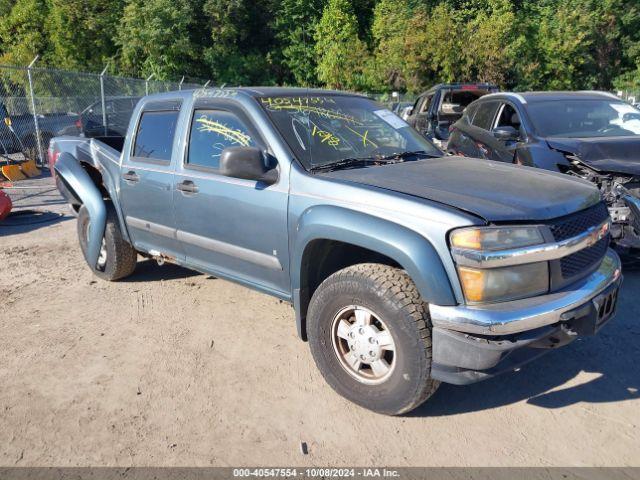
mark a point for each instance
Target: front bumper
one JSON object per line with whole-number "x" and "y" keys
{"x": 471, "y": 343}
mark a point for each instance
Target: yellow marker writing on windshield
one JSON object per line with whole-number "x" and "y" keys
{"x": 364, "y": 136}
{"x": 325, "y": 136}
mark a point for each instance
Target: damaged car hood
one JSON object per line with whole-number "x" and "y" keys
{"x": 494, "y": 191}
{"x": 610, "y": 154}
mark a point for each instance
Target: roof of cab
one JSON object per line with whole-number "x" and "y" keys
{"x": 480, "y": 85}
{"x": 533, "y": 97}
{"x": 249, "y": 91}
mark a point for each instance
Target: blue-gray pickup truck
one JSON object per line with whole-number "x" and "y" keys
{"x": 405, "y": 268}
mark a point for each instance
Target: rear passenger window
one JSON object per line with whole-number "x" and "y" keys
{"x": 211, "y": 132}
{"x": 154, "y": 139}
{"x": 470, "y": 111}
{"x": 426, "y": 104}
{"x": 485, "y": 113}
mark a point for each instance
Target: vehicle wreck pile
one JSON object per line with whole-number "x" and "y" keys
{"x": 622, "y": 194}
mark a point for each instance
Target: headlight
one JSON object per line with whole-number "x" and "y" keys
{"x": 484, "y": 285}
{"x": 496, "y": 238}
{"x": 503, "y": 284}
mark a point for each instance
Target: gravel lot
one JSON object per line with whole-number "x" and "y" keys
{"x": 171, "y": 367}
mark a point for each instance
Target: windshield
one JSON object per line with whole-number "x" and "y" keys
{"x": 322, "y": 130}
{"x": 585, "y": 118}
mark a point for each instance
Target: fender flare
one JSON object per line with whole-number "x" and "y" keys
{"x": 413, "y": 252}
{"x": 77, "y": 179}
{"x": 109, "y": 174}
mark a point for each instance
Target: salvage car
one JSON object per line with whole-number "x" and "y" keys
{"x": 22, "y": 137}
{"x": 112, "y": 122}
{"x": 436, "y": 109}
{"x": 405, "y": 268}
{"x": 590, "y": 135}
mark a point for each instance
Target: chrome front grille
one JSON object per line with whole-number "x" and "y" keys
{"x": 584, "y": 261}
{"x": 575, "y": 224}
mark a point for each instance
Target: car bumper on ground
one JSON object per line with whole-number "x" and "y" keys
{"x": 472, "y": 343}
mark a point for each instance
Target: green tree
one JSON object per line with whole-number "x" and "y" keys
{"x": 243, "y": 48}
{"x": 342, "y": 56}
{"x": 616, "y": 40}
{"x": 295, "y": 24}
{"x": 22, "y": 32}
{"x": 434, "y": 47}
{"x": 82, "y": 32}
{"x": 155, "y": 36}
{"x": 490, "y": 43}
{"x": 560, "y": 46}
{"x": 389, "y": 32}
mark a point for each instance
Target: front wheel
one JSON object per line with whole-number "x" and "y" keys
{"x": 117, "y": 257}
{"x": 370, "y": 336}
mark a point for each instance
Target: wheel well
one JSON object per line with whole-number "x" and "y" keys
{"x": 96, "y": 178}
{"x": 322, "y": 258}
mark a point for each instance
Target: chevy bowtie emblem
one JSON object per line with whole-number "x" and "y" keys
{"x": 599, "y": 234}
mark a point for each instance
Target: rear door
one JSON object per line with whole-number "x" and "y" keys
{"x": 230, "y": 226}
{"x": 146, "y": 178}
{"x": 479, "y": 129}
{"x": 460, "y": 141}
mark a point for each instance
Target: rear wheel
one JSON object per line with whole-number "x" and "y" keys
{"x": 370, "y": 336}
{"x": 117, "y": 257}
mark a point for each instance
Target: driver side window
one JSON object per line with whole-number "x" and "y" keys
{"x": 211, "y": 132}
{"x": 509, "y": 117}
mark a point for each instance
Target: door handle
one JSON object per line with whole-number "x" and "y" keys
{"x": 187, "y": 186}
{"x": 131, "y": 176}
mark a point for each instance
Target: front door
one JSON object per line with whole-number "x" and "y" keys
{"x": 505, "y": 151}
{"x": 146, "y": 180}
{"x": 232, "y": 227}
{"x": 423, "y": 116}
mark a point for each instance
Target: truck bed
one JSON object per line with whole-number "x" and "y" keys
{"x": 101, "y": 153}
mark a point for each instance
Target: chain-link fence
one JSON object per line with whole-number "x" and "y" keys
{"x": 631, "y": 96}
{"x": 37, "y": 104}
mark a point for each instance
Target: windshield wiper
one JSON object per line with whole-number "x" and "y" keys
{"x": 364, "y": 161}
{"x": 344, "y": 163}
{"x": 405, "y": 155}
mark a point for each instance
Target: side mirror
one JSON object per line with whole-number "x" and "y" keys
{"x": 246, "y": 163}
{"x": 442, "y": 130}
{"x": 505, "y": 134}
{"x": 627, "y": 117}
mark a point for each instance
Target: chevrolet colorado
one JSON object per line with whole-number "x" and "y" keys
{"x": 405, "y": 268}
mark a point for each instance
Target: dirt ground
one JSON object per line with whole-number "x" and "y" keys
{"x": 174, "y": 368}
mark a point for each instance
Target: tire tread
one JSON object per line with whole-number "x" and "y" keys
{"x": 396, "y": 283}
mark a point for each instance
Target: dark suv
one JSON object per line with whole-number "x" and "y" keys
{"x": 436, "y": 109}
{"x": 591, "y": 135}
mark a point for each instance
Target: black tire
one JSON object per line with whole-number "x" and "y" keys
{"x": 391, "y": 294}
{"x": 121, "y": 257}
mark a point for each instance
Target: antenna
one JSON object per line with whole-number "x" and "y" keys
{"x": 307, "y": 81}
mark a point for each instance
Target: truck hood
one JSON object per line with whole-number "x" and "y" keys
{"x": 610, "y": 154}
{"x": 493, "y": 191}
